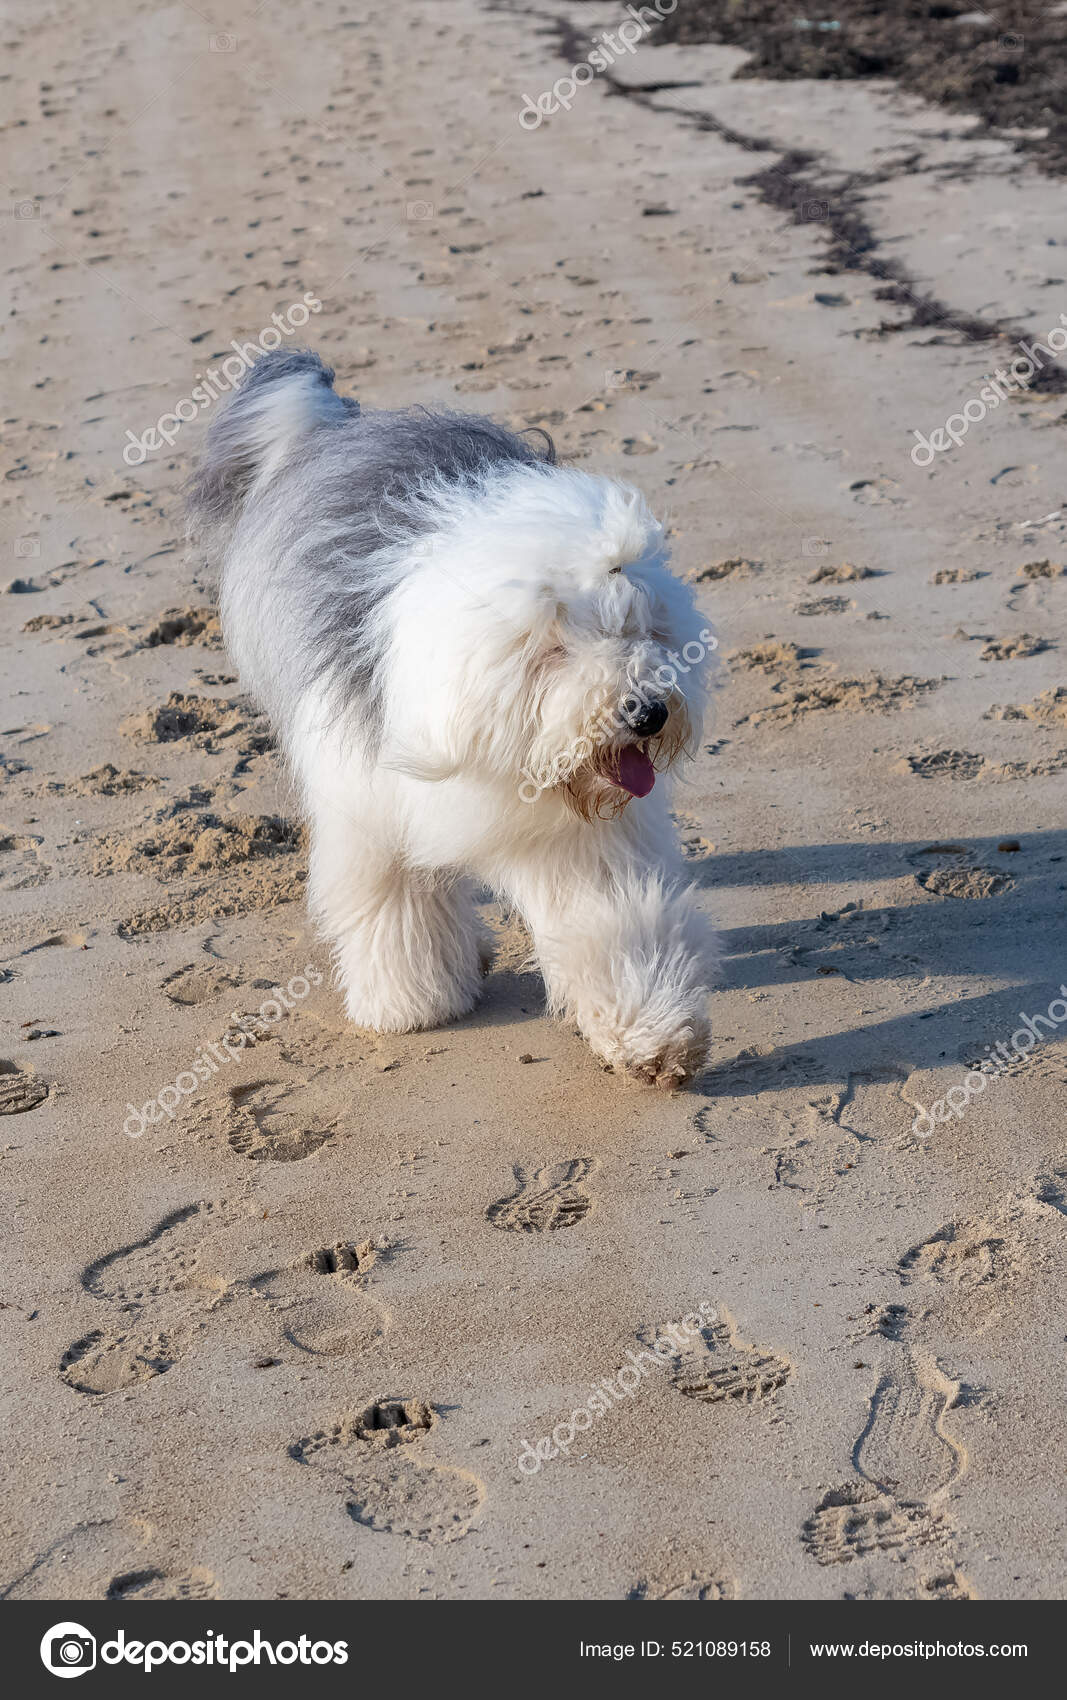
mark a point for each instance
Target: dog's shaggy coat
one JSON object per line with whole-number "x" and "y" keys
{"x": 474, "y": 659}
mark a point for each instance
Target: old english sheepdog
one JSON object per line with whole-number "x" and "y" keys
{"x": 476, "y": 663}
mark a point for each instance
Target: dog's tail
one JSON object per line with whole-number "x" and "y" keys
{"x": 286, "y": 396}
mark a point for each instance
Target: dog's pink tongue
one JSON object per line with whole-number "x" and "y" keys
{"x": 634, "y": 771}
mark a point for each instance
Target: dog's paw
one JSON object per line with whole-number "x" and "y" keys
{"x": 673, "y": 1065}
{"x": 653, "y": 1056}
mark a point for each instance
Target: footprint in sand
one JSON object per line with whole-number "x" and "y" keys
{"x": 271, "y": 1121}
{"x": 388, "y": 1484}
{"x": 723, "y": 1367}
{"x": 873, "y": 1106}
{"x": 99, "y": 1561}
{"x": 689, "y": 1587}
{"x": 195, "y": 1584}
{"x": 547, "y": 1198}
{"x": 904, "y": 1449}
{"x": 208, "y": 722}
{"x": 22, "y": 867}
{"x": 1051, "y": 1189}
{"x": 160, "y": 1281}
{"x": 323, "y": 1301}
{"x": 194, "y": 984}
{"x": 102, "y": 1362}
{"x": 20, "y": 1089}
{"x": 943, "y": 764}
{"x": 908, "y": 1461}
{"x": 945, "y": 1585}
{"x": 969, "y": 1253}
{"x": 183, "y": 626}
{"x": 858, "y": 1520}
{"x": 872, "y": 1110}
{"x": 168, "y": 1260}
{"x": 948, "y": 870}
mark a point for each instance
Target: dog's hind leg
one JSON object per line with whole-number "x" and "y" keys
{"x": 407, "y": 946}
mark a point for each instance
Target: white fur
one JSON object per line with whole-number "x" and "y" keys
{"x": 532, "y": 602}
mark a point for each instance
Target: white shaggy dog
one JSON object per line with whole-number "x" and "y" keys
{"x": 475, "y": 661}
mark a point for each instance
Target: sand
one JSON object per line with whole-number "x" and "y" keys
{"x": 291, "y": 1340}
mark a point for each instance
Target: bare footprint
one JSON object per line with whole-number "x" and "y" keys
{"x": 196, "y": 985}
{"x": 547, "y": 1198}
{"x": 168, "y": 1260}
{"x": 267, "y": 1123}
{"x": 322, "y": 1300}
{"x": 872, "y": 1105}
{"x": 723, "y": 1367}
{"x": 389, "y": 1486}
{"x": 82, "y": 1563}
{"x": 688, "y": 1587}
{"x": 106, "y": 1363}
{"x": 162, "y": 1278}
{"x": 969, "y": 1253}
{"x": 152, "y": 1584}
{"x": 871, "y": 1110}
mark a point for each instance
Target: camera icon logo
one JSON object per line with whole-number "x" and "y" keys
{"x": 224, "y": 44}
{"x": 814, "y": 212}
{"x": 417, "y": 210}
{"x": 68, "y": 1649}
{"x": 813, "y": 547}
{"x": 27, "y": 548}
{"x": 27, "y": 209}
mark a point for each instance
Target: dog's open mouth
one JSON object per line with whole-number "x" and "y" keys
{"x": 631, "y": 770}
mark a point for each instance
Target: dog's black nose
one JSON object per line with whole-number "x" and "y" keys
{"x": 648, "y": 719}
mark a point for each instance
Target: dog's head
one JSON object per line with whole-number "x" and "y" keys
{"x": 554, "y": 649}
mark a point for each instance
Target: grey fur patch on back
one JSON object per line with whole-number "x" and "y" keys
{"x": 318, "y": 551}
{"x": 365, "y": 485}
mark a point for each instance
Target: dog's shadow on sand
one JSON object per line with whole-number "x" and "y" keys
{"x": 1016, "y": 933}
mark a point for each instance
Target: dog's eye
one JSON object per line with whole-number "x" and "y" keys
{"x": 613, "y": 570}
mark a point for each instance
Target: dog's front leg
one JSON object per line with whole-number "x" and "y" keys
{"x": 626, "y": 954}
